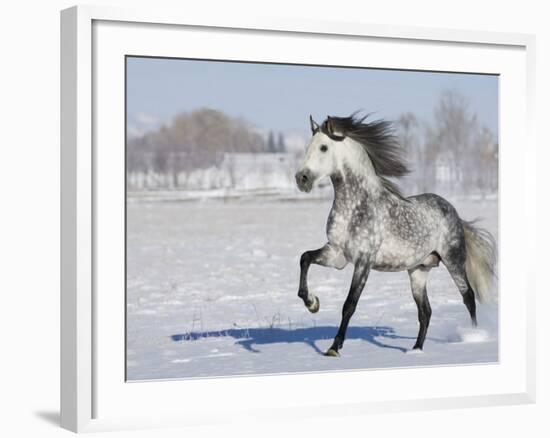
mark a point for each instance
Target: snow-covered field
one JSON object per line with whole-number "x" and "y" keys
{"x": 212, "y": 290}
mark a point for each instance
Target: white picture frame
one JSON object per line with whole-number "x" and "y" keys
{"x": 93, "y": 397}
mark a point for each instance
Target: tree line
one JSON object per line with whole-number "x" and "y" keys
{"x": 196, "y": 140}
{"x": 451, "y": 153}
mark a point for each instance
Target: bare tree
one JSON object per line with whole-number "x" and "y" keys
{"x": 194, "y": 140}
{"x": 456, "y": 130}
{"x": 408, "y": 131}
{"x": 452, "y": 153}
{"x": 281, "y": 146}
{"x": 487, "y": 177}
{"x": 271, "y": 147}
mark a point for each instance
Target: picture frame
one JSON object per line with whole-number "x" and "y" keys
{"x": 94, "y": 395}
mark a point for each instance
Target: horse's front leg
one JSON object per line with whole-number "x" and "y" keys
{"x": 328, "y": 255}
{"x": 360, "y": 275}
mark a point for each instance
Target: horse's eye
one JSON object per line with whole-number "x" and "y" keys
{"x": 324, "y": 148}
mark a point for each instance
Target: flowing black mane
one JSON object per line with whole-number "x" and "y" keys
{"x": 378, "y": 140}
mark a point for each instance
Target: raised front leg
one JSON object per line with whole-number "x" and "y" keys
{"x": 325, "y": 256}
{"x": 360, "y": 275}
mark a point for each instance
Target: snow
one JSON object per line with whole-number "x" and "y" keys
{"x": 472, "y": 334}
{"x": 212, "y": 291}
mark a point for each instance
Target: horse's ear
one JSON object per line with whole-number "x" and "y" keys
{"x": 314, "y": 125}
{"x": 330, "y": 126}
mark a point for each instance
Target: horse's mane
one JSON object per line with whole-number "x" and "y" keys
{"x": 379, "y": 142}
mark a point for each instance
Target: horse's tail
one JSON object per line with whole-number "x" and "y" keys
{"x": 480, "y": 260}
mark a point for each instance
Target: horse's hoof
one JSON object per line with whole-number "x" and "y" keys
{"x": 332, "y": 353}
{"x": 314, "y": 307}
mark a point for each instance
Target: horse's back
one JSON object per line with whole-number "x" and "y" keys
{"x": 436, "y": 204}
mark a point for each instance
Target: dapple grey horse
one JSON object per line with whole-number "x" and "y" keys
{"x": 373, "y": 226}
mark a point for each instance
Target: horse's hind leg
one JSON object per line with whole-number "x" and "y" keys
{"x": 456, "y": 267}
{"x": 325, "y": 256}
{"x": 419, "y": 278}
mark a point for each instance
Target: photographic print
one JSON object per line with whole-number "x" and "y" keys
{"x": 287, "y": 218}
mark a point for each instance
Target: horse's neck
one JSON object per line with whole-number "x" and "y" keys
{"x": 352, "y": 190}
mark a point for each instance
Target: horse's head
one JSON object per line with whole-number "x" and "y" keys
{"x": 349, "y": 144}
{"x": 321, "y": 158}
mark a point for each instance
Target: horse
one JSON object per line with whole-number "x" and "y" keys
{"x": 373, "y": 226}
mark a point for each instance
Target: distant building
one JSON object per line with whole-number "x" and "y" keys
{"x": 259, "y": 170}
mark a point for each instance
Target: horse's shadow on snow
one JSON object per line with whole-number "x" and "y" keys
{"x": 250, "y": 337}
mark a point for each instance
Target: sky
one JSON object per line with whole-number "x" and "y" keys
{"x": 281, "y": 97}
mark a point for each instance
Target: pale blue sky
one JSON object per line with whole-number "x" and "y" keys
{"x": 281, "y": 97}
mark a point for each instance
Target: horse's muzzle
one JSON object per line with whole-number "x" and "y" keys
{"x": 304, "y": 180}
